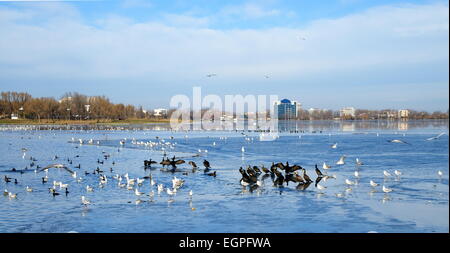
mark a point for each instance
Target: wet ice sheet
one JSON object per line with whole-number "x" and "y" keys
{"x": 419, "y": 202}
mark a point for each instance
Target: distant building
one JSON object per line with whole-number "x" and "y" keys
{"x": 402, "y": 114}
{"x": 287, "y": 109}
{"x": 347, "y": 112}
{"x": 64, "y": 99}
{"x": 314, "y": 110}
{"x": 160, "y": 112}
{"x": 14, "y": 116}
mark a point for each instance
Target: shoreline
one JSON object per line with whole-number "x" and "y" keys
{"x": 80, "y": 122}
{"x": 167, "y": 121}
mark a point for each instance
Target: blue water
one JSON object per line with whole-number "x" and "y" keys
{"x": 419, "y": 201}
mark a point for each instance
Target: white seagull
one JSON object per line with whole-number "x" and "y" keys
{"x": 386, "y": 174}
{"x": 386, "y": 190}
{"x": 398, "y": 141}
{"x": 341, "y": 160}
{"x": 320, "y": 187}
{"x": 435, "y": 137}
{"x": 160, "y": 188}
{"x": 170, "y": 192}
{"x": 84, "y": 201}
{"x": 397, "y": 172}
{"x": 373, "y": 184}
{"x": 326, "y": 166}
{"x": 349, "y": 182}
{"x": 334, "y": 145}
{"x": 138, "y": 193}
{"x": 358, "y": 162}
{"x": 56, "y": 165}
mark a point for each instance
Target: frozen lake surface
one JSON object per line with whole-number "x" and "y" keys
{"x": 419, "y": 201}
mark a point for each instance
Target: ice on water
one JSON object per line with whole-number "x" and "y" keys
{"x": 418, "y": 202}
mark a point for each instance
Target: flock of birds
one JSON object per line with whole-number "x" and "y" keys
{"x": 253, "y": 177}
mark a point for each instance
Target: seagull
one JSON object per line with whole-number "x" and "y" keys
{"x": 139, "y": 181}
{"x": 242, "y": 149}
{"x": 29, "y": 189}
{"x": 56, "y": 165}
{"x": 211, "y": 75}
{"x": 61, "y": 185}
{"x": 341, "y": 160}
{"x": 138, "y": 193}
{"x": 373, "y": 184}
{"x": 177, "y": 183}
{"x": 386, "y": 190}
{"x": 386, "y": 174}
{"x": 440, "y": 173}
{"x": 436, "y": 137}
{"x": 349, "y": 182}
{"x": 12, "y": 196}
{"x": 84, "y": 201}
{"x": 190, "y": 194}
{"x": 325, "y": 166}
{"x": 358, "y": 162}
{"x": 334, "y": 145}
{"x": 170, "y": 192}
{"x": 356, "y": 173}
{"x": 320, "y": 187}
{"x": 160, "y": 188}
{"x": 89, "y": 188}
{"x": 397, "y": 172}
{"x": 398, "y": 141}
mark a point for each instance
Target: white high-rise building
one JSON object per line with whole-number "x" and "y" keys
{"x": 348, "y": 112}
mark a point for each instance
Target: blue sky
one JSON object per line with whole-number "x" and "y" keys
{"x": 366, "y": 54}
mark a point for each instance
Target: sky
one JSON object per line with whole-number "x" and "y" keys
{"x": 325, "y": 54}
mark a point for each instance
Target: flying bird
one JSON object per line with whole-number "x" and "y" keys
{"x": 56, "y": 165}
{"x": 435, "y": 137}
{"x": 211, "y": 75}
{"x": 398, "y": 141}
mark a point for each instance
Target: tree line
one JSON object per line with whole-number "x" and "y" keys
{"x": 76, "y": 106}
{"x": 72, "y": 105}
{"x": 363, "y": 114}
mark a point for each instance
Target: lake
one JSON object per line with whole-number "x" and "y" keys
{"x": 419, "y": 201}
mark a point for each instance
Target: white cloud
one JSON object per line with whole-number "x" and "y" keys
{"x": 136, "y": 4}
{"x": 185, "y": 20}
{"x": 180, "y": 49}
{"x": 247, "y": 11}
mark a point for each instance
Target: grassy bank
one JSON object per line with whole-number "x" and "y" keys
{"x": 79, "y": 122}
